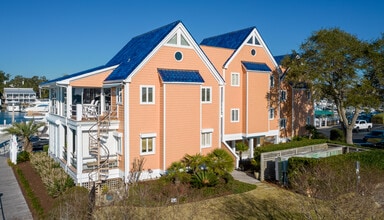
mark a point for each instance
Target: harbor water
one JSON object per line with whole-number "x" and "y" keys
{"x": 6, "y": 117}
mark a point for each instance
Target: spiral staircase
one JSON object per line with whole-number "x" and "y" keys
{"x": 98, "y": 135}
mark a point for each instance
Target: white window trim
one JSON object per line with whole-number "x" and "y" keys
{"x": 119, "y": 142}
{"x": 238, "y": 114}
{"x": 269, "y": 113}
{"x": 238, "y": 79}
{"x": 119, "y": 95}
{"x": 283, "y": 98}
{"x": 210, "y": 94}
{"x": 178, "y": 34}
{"x": 285, "y": 123}
{"x": 141, "y": 94}
{"x": 271, "y": 81}
{"x": 208, "y": 132}
{"x": 147, "y": 136}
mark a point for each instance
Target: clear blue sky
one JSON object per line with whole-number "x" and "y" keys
{"x": 52, "y": 38}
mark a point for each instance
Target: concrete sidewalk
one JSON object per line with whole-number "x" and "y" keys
{"x": 244, "y": 177}
{"x": 14, "y": 204}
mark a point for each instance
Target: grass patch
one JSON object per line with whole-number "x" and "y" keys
{"x": 29, "y": 192}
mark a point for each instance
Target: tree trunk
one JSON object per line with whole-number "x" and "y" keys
{"x": 349, "y": 135}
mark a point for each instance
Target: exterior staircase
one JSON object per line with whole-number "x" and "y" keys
{"x": 98, "y": 135}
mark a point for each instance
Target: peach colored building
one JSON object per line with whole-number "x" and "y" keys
{"x": 163, "y": 96}
{"x": 158, "y": 98}
{"x": 251, "y": 109}
{"x": 296, "y": 106}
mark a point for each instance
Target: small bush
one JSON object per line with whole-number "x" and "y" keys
{"x": 22, "y": 157}
{"x": 203, "y": 179}
{"x": 45, "y": 148}
{"x": 378, "y": 119}
{"x": 336, "y": 135}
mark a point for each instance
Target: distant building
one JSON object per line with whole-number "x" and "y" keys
{"x": 19, "y": 96}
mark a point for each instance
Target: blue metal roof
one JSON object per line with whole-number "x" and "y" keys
{"x": 232, "y": 40}
{"x": 73, "y": 75}
{"x": 280, "y": 58}
{"x": 256, "y": 66}
{"x": 180, "y": 76}
{"x": 136, "y": 50}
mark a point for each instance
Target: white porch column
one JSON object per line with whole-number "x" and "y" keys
{"x": 79, "y": 150}
{"x": 233, "y": 145}
{"x": 69, "y": 102}
{"x": 251, "y": 146}
{"x": 69, "y": 146}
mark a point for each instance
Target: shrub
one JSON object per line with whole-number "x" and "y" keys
{"x": 22, "y": 157}
{"x": 204, "y": 178}
{"x": 53, "y": 176}
{"x": 73, "y": 204}
{"x": 378, "y": 119}
{"x": 336, "y": 135}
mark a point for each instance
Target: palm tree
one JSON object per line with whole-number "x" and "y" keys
{"x": 25, "y": 130}
{"x": 241, "y": 147}
{"x": 221, "y": 162}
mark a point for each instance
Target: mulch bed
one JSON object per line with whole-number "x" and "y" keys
{"x": 36, "y": 185}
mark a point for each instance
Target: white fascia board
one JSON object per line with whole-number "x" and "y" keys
{"x": 67, "y": 81}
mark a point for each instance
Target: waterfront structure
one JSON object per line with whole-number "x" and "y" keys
{"x": 163, "y": 96}
{"x": 158, "y": 98}
{"x": 19, "y": 95}
{"x": 251, "y": 90}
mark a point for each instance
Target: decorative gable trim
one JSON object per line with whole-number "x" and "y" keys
{"x": 179, "y": 30}
{"x": 254, "y": 33}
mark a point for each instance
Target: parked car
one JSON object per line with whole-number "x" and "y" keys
{"x": 377, "y": 134}
{"x": 362, "y": 125}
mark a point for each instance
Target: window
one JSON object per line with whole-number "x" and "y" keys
{"x": 283, "y": 95}
{"x": 308, "y": 120}
{"x": 253, "y": 41}
{"x": 178, "y": 39}
{"x": 308, "y": 94}
{"x": 119, "y": 144}
{"x": 119, "y": 98}
{"x": 283, "y": 123}
{"x": 235, "y": 115}
{"x": 235, "y": 79}
{"x": 147, "y": 94}
{"x": 206, "y": 138}
{"x": 147, "y": 145}
{"x": 271, "y": 113}
{"x": 178, "y": 56}
{"x": 271, "y": 81}
{"x": 206, "y": 95}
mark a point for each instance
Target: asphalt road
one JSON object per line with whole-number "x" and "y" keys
{"x": 357, "y": 136}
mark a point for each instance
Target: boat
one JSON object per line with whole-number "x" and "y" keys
{"x": 38, "y": 107}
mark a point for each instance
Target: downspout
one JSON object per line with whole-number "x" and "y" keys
{"x": 126, "y": 132}
{"x": 164, "y": 126}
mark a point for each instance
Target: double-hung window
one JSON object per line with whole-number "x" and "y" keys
{"x": 206, "y": 95}
{"x": 283, "y": 123}
{"x": 235, "y": 115}
{"x": 206, "y": 137}
{"x": 271, "y": 113}
{"x": 147, "y": 94}
{"x": 235, "y": 79}
{"x": 148, "y": 143}
{"x": 119, "y": 95}
{"x": 119, "y": 143}
{"x": 271, "y": 81}
{"x": 283, "y": 95}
